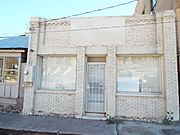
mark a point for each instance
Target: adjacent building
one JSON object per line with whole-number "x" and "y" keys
{"x": 13, "y": 55}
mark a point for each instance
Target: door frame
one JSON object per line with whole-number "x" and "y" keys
{"x": 86, "y": 81}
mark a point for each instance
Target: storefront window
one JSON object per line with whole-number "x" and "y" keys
{"x": 59, "y": 73}
{"x": 9, "y": 69}
{"x": 138, "y": 74}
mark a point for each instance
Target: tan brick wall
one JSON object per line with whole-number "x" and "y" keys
{"x": 168, "y": 5}
{"x": 28, "y": 101}
{"x": 55, "y": 103}
{"x": 145, "y": 29}
{"x": 80, "y": 82}
{"x": 170, "y": 64}
{"x": 177, "y": 3}
{"x": 111, "y": 81}
{"x": 137, "y": 35}
{"x": 140, "y": 106}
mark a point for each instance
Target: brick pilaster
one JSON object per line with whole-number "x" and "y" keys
{"x": 170, "y": 64}
{"x": 80, "y": 82}
{"x": 111, "y": 81}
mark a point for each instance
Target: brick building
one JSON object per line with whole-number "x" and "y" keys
{"x": 99, "y": 66}
{"x": 13, "y": 55}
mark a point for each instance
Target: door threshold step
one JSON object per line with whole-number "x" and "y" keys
{"x": 94, "y": 116}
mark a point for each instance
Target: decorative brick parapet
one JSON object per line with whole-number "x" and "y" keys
{"x": 140, "y": 30}
{"x": 140, "y": 19}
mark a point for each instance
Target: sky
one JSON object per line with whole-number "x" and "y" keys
{"x": 15, "y": 14}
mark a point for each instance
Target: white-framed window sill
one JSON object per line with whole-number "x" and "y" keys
{"x": 55, "y": 91}
{"x": 139, "y": 94}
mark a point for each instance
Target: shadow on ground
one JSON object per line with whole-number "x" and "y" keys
{"x": 21, "y": 132}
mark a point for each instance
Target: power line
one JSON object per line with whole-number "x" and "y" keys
{"x": 92, "y": 11}
{"x": 74, "y": 15}
{"x": 95, "y": 28}
{"x": 101, "y": 28}
{"x": 100, "y": 9}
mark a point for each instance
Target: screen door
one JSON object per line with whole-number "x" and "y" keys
{"x": 95, "y": 87}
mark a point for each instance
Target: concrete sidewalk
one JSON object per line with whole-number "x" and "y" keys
{"x": 55, "y": 124}
{"x": 142, "y": 128}
{"x": 59, "y": 125}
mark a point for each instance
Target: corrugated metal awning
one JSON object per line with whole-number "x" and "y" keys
{"x": 14, "y": 42}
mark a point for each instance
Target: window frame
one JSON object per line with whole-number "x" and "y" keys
{"x": 6, "y": 69}
{"x": 40, "y": 72}
{"x": 160, "y": 69}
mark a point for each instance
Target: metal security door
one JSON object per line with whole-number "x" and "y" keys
{"x": 95, "y": 88}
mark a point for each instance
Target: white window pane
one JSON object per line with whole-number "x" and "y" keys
{"x": 144, "y": 68}
{"x": 128, "y": 84}
{"x": 59, "y": 73}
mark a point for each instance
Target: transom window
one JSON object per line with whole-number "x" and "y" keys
{"x": 9, "y": 69}
{"x": 138, "y": 73}
{"x": 59, "y": 73}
